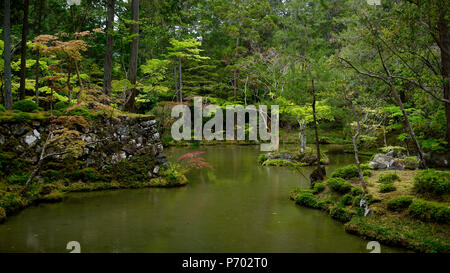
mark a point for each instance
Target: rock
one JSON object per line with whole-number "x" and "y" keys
{"x": 19, "y": 129}
{"x": 317, "y": 175}
{"x": 386, "y": 162}
{"x": 30, "y": 139}
{"x": 283, "y": 156}
{"x": 156, "y": 169}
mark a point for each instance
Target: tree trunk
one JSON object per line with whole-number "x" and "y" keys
{"x": 445, "y": 64}
{"x": 408, "y": 124}
{"x": 107, "y": 76}
{"x": 7, "y": 54}
{"x": 355, "y": 148}
{"x": 235, "y": 72}
{"x": 180, "y": 98}
{"x": 23, "y": 58}
{"x": 175, "y": 76}
{"x": 80, "y": 81}
{"x": 38, "y": 32}
{"x": 315, "y": 124}
{"x": 69, "y": 86}
{"x": 132, "y": 70}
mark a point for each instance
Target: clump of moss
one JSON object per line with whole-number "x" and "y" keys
{"x": 399, "y": 203}
{"x": 429, "y": 211}
{"x": 388, "y": 178}
{"x": 262, "y": 158}
{"x": 384, "y": 188}
{"x": 306, "y": 199}
{"x": 346, "y": 200}
{"x": 318, "y": 187}
{"x": 347, "y": 172}
{"x": 356, "y": 191}
{"x": 55, "y": 196}
{"x": 341, "y": 214}
{"x": 277, "y": 163}
{"x": 339, "y": 185}
{"x": 433, "y": 182}
{"x": 411, "y": 162}
{"x": 25, "y": 105}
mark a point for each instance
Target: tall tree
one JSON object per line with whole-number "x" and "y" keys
{"x": 7, "y": 54}
{"x": 38, "y": 32}
{"x": 129, "y": 104}
{"x": 23, "y": 49}
{"x": 107, "y": 76}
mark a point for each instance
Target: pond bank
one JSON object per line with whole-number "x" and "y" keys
{"x": 401, "y": 216}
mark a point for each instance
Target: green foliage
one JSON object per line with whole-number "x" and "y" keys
{"x": 384, "y": 188}
{"x": 25, "y": 106}
{"x": 399, "y": 203}
{"x": 339, "y": 185}
{"x": 356, "y": 191}
{"x": 306, "y": 199}
{"x": 341, "y": 214}
{"x": 395, "y": 149}
{"x": 318, "y": 187}
{"x": 388, "y": 178}
{"x": 2, "y": 108}
{"x": 347, "y": 172}
{"x": 367, "y": 173}
{"x": 86, "y": 175}
{"x": 432, "y": 181}
{"x": 262, "y": 158}
{"x": 429, "y": 211}
{"x": 411, "y": 162}
{"x": 277, "y": 162}
{"x": 61, "y": 105}
{"x": 2, "y": 215}
{"x": 346, "y": 199}
{"x": 18, "y": 179}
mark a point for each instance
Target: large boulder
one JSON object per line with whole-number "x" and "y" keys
{"x": 386, "y": 162}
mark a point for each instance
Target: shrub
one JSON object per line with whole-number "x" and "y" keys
{"x": 346, "y": 172}
{"x": 395, "y": 149}
{"x": 367, "y": 173}
{"x": 17, "y": 179}
{"x": 384, "y": 188}
{"x": 60, "y": 105}
{"x": 318, "y": 188}
{"x": 399, "y": 203}
{"x": 388, "y": 178}
{"x": 346, "y": 199}
{"x": 306, "y": 199}
{"x": 262, "y": 158}
{"x": 341, "y": 214}
{"x": 86, "y": 175}
{"x": 431, "y": 181}
{"x": 339, "y": 185}
{"x": 429, "y": 211}
{"x": 411, "y": 162}
{"x": 2, "y": 108}
{"x": 365, "y": 166}
{"x": 25, "y": 105}
{"x": 357, "y": 200}
{"x": 356, "y": 191}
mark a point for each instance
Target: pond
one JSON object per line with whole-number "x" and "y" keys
{"x": 237, "y": 206}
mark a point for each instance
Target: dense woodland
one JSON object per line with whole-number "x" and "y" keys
{"x": 384, "y": 65}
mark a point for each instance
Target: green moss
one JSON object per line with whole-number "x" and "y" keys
{"x": 306, "y": 199}
{"x": 432, "y": 181}
{"x": 401, "y": 231}
{"x": 429, "y": 211}
{"x": 399, "y": 203}
{"x": 339, "y": 185}
{"x": 356, "y": 191}
{"x": 346, "y": 172}
{"x": 318, "y": 187}
{"x": 346, "y": 200}
{"x": 411, "y": 162}
{"x": 277, "y": 163}
{"x": 55, "y": 196}
{"x": 388, "y": 178}
{"x": 25, "y": 105}
{"x": 384, "y": 188}
{"x": 262, "y": 158}
{"x": 341, "y": 214}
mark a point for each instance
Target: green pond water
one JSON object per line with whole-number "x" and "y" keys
{"x": 237, "y": 206}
